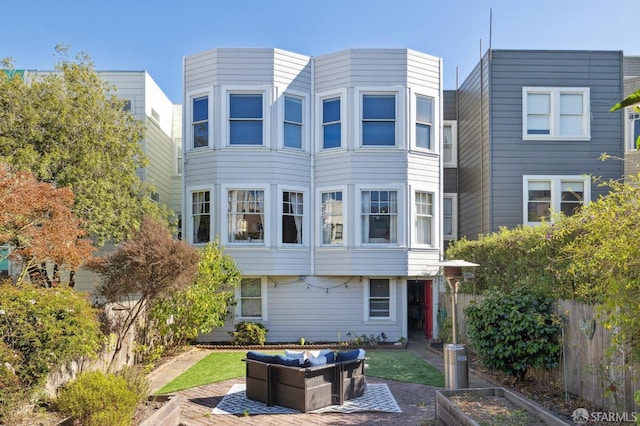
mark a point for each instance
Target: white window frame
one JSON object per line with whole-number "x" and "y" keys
{"x": 263, "y": 305}
{"x": 433, "y": 143}
{"x": 453, "y": 124}
{"x": 399, "y": 102}
{"x": 320, "y": 98}
{"x": 400, "y": 221}
{"x": 631, "y": 116}
{"x": 179, "y": 156}
{"x": 189, "y": 115}
{"x": 454, "y": 216}
{"x": 434, "y": 216}
{"x": 267, "y": 97}
{"x": 345, "y": 227}
{"x": 188, "y": 224}
{"x": 554, "y": 113}
{"x": 224, "y": 232}
{"x": 306, "y": 217}
{"x": 392, "y": 300}
{"x": 305, "y": 131}
{"x": 556, "y": 193}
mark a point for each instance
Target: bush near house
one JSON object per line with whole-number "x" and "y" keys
{"x": 249, "y": 333}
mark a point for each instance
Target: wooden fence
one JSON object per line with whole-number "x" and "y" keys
{"x": 589, "y": 368}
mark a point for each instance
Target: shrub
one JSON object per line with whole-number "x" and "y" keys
{"x": 249, "y": 333}
{"x": 514, "y": 332}
{"x": 96, "y": 399}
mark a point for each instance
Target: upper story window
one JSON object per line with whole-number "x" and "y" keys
{"x": 331, "y": 123}
{"x": 378, "y": 120}
{"x": 424, "y": 122}
{"x": 292, "y": 217}
{"x": 332, "y": 218}
{"x": 178, "y": 145}
{"x": 379, "y": 216}
{"x": 245, "y": 213}
{"x": 633, "y": 130}
{"x": 424, "y": 218}
{"x": 245, "y": 119}
{"x": 555, "y": 113}
{"x": 201, "y": 216}
{"x": 200, "y": 121}
{"x": 450, "y": 216}
{"x": 293, "y": 121}
{"x": 450, "y": 144}
{"x": 560, "y": 194}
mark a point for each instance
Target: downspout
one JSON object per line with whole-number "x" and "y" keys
{"x": 312, "y": 166}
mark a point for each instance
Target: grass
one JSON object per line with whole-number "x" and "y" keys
{"x": 399, "y": 365}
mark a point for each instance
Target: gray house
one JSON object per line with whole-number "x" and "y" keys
{"x": 531, "y": 126}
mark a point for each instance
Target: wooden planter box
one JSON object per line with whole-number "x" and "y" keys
{"x": 449, "y": 413}
{"x": 304, "y": 389}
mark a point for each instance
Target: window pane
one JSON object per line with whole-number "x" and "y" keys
{"x": 332, "y": 222}
{"x": 379, "y": 308}
{"x": 375, "y": 133}
{"x": 423, "y": 137}
{"x": 571, "y": 125}
{"x": 246, "y": 132}
{"x": 292, "y": 135}
{"x": 331, "y": 136}
{"x": 331, "y": 110}
{"x": 538, "y": 125}
{"x": 379, "y": 288}
{"x": 200, "y": 211}
{"x": 636, "y": 134}
{"x": 250, "y": 288}
{"x": 424, "y": 110}
{"x": 378, "y": 107}
{"x": 292, "y": 217}
{"x": 539, "y": 204}
{"x": 200, "y": 134}
{"x": 570, "y": 104}
{"x": 245, "y": 106}
{"x": 201, "y": 109}
{"x": 293, "y": 109}
{"x": 538, "y": 103}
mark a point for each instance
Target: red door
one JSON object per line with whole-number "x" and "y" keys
{"x": 428, "y": 310}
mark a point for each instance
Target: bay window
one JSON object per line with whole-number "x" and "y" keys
{"x": 378, "y": 120}
{"x": 379, "y": 216}
{"x": 245, "y": 213}
{"x": 332, "y": 218}
{"x": 245, "y": 119}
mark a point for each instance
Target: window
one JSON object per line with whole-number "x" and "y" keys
{"x": 126, "y": 105}
{"x": 331, "y": 125}
{"x": 4, "y": 259}
{"x": 424, "y": 122}
{"x": 293, "y": 122}
{"x": 450, "y": 216}
{"x": 380, "y": 299}
{"x": 633, "y": 130}
{"x": 379, "y": 217}
{"x": 245, "y": 211}
{"x": 450, "y": 144}
{"x": 544, "y": 195}
{"x": 245, "y": 119}
{"x": 201, "y": 216}
{"x": 292, "y": 215}
{"x": 200, "y": 121}
{"x": 179, "y": 156}
{"x": 251, "y": 298}
{"x": 424, "y": 218}
{"x": 555, "y": 113}
{"x": 378, "y": 120}
{"x": 332, "y": 219}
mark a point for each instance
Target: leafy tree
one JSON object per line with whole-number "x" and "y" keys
{"x": 200, "y": 307}
{"x": 514, "y": 332}
{"x": 69, "y": 129}
{"x": 147, "y": 268}
{"x": 37, "y": 222}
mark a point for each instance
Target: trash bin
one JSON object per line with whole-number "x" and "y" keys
{"x": 456, "y": 370}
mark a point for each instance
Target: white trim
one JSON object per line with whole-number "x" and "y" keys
{"x": 224, "y": 214}
{"x": 267, "y": 100}
{"x": 401, "y": 215}
{"x": 188, "y": 139}
{"x": 434, "y": 95}
{"x": 264, "y": 301}
{"x": 454, "y": 208}
{"x": 344, "y": 119}
{"x": 345, "y": 209}
{"x": 554, "y": 113}
{"x": 630, "y": 117}
{"x": 454, "y": 148}
{"x": 556, "y": 191}
{"x": 400, "y": 111}
{"x": 435, "y": 228}
{"x": 306, "y": 215}
{"x": 187, "y": 220}
{"x": 306, "y": 120}
{"x": 392, "y": 301}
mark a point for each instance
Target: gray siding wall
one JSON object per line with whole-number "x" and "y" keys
{"x": 511, "y": 157}
{"x": 449, "y": 105}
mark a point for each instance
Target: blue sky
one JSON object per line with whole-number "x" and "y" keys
{"x": 156, "y": 35}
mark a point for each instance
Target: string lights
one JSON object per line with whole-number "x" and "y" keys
{"x": 310, "y": 285}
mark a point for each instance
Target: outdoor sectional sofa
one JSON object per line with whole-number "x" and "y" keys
{"x": 305, "y": 384}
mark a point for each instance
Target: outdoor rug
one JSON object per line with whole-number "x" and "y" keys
{"x": 377, "y": 397}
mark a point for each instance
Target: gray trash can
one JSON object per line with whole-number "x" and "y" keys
{"x": 456, "y": 370}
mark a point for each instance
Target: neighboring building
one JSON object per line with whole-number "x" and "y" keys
{"x": 532, "y": 125}
{"x": 321, "y": 177}
{"x": 632, "y": 117}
